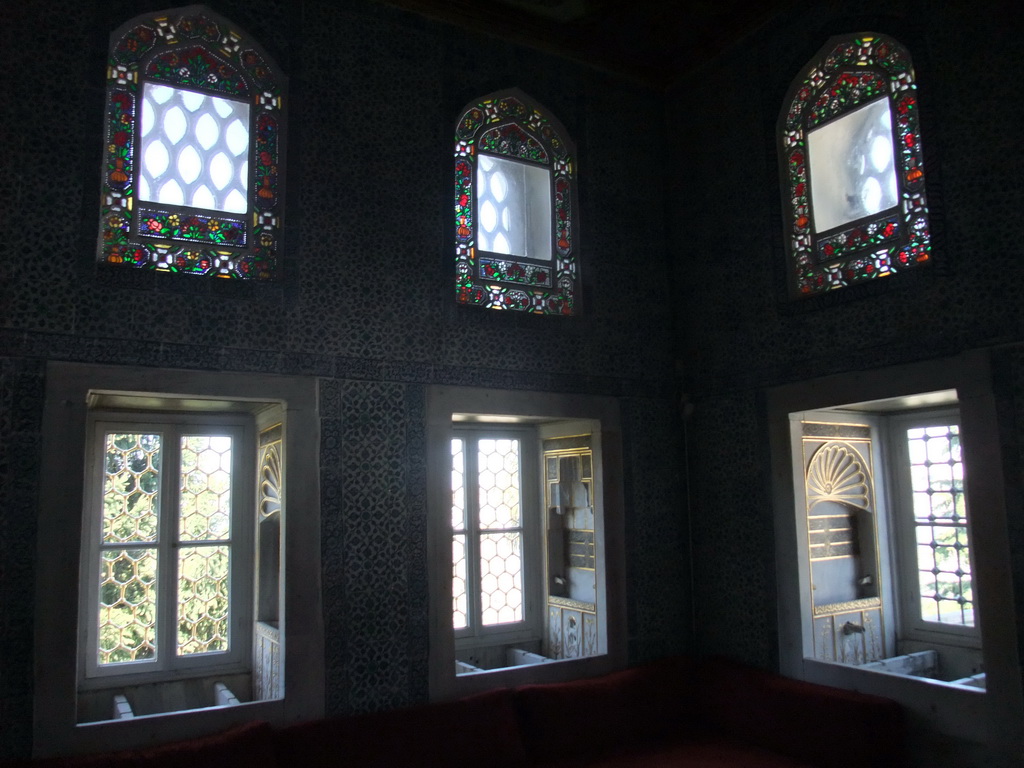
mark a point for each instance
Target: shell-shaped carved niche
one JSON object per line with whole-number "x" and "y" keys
{"x": 270, "y": 481}
{"x": 837, "y": 473}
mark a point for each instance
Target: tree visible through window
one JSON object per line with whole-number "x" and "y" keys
{"x": 193, "y": 147}
{"x": 853, "y": 173}
{"x": 515, "y": 241}
{"x": 163, "y": 547}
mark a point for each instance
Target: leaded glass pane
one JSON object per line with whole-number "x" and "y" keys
{"x": 460, "y": 598}
{"x": 943, "y": 561}
{"x": 852, "y": 170}
{"x": 501, "y": 578}
{"x": 499, "y": 491}
{"x": 193, "y": 144}
{"x": 127, "y": 606}
{"x": 131, "y": 488}
{"x": 516, "y": 246}
{"x": 194, "y": 149}
{"x": 203, "y": 599}
{"x": 852, "y": 166}
{"x": 513, "y": 208}
{"x": 205, "y": 501}
{"x": 458, "y": 485}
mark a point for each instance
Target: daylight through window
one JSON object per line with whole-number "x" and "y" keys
{"x": 516, "y": 244}
{"x": 853, "y": 175}
{"x": 192, "y": 166}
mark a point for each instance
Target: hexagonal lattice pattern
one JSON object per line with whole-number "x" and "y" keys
{"x": 127, "y": 605}
{"x": 205, "y": 512}
{"x": 131, "y": 488}
{"x": 194, "y": 149}
{"x": 460, "y": 597}
{"x": 501, "y": 578}
{"x": 940, "y": 516}
{"x": 498, "y": 465}
{"x": 203, "y": 599}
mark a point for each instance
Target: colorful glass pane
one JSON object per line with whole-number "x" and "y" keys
{"x": 890, "y": 232}
{"x": 541, "y": 283}
{"x": 193, "y": 123}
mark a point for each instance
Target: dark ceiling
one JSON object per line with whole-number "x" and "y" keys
{"x": 654, "y": 41}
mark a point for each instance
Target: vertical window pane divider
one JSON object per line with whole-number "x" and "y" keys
{"x": 167, "y": 563}
{"x": 472, "y": 483}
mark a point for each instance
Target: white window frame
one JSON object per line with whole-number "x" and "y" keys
{"x": 168, "y": 664}
{"x": 291, "y": 400}
{"x": 476, "y": 633}
{"x": 994, "y": 716}
{"x": 912, "y": 626}
{"x": 598, "y": 416}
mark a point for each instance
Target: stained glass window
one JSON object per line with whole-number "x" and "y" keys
{"x": 192, "y": 171}
{"x": 516, "y": 246}
{"x": 852, "y": 170}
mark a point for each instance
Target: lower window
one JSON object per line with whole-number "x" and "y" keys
{"x": 187, "y": 555}
{"x": 888, "y": 549}
{"x": 527, "y": 514}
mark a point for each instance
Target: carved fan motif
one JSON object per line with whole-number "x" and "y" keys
{"x": 837, "y": 474}
{"x": 270, "y": 481}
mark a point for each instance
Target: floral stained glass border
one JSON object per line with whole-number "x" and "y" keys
{"x": 848, "y": 73}
{"x": 193, "y": 49}
{"x": 507, "y": 125}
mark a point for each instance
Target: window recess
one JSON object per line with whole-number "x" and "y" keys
{"x": 883, "y": 513}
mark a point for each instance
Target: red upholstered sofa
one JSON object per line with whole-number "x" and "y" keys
{"x": 675, "y": 712}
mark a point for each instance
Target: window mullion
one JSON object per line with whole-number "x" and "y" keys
{"x": 168, "y": 546}
{"x": 473, "y": 534}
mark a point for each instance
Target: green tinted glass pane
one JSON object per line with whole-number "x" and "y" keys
{"x": 127, "y": 606}
{"x": 131, "y": 487}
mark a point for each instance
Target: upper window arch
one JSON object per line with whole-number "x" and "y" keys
{"x": 192, "y": 162}
{"x": 852, "y": 170}
{"x": 516, "y": 241}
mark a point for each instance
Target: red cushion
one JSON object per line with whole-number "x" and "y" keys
{"x": 690, "y": 754}
{"x": 819, "y": 724}
{"x": 595, "y": 716}
{"x": 250, "y": 745}
{"x": 472, "y": 732}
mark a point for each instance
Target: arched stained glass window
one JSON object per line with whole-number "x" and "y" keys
{"x": 192, "y": 164}
{"x": 516, "y": 244}
{"x": 852, "y": 171}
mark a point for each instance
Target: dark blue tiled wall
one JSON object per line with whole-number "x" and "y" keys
{"x": 740, "y": 334}
{"x": 366, "y": 303}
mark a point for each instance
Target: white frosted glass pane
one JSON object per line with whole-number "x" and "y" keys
{"x": 207, "y": 131}
{"x": 156, "y": 159}
{"x": 198, "y": 142}
{"x": 220, "y": 170}
{"x": 514, "y": 205}
{"x": 175, "y": 124}
{"x": 159, "y": 93}
{"x": 488, "y": 216}
{"x": 171, "y": 193}
{"x": 852, "y": 166}
{"x": 147, "y": 119}
{"x": 236, "y": 202}
{"x": 192, "y": 100}
{"x": 237, "y": 137}
{"x": 189, "y": 164}
{"x": 499, "y": 187}
{"x": 203, "y": 198}
{"x": 224, "y": 108}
